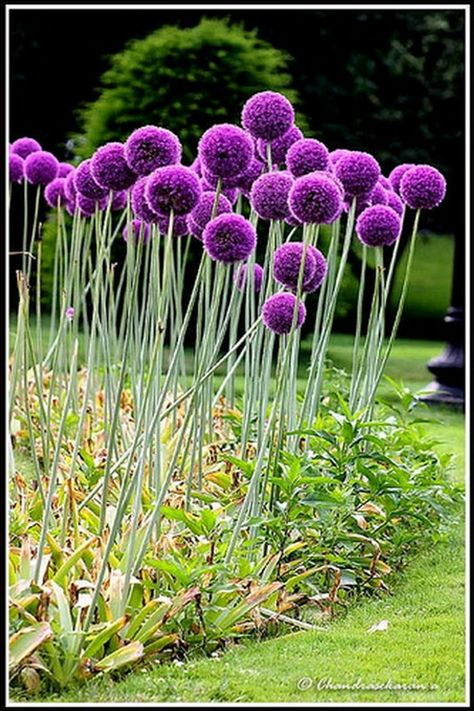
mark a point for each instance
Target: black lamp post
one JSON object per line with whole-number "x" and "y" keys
{"x": 448, "y": 386}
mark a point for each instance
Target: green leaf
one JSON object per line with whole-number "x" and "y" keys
{"x": 26, "y": 641}
{"x": 129, "y": 654}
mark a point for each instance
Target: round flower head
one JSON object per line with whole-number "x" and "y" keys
{"x": 246, "y": 180}
{"x": 173, "y": 187}
{"x": 137, "y": 229}
{"x": 16, "y": 168}
{"x": 202, "y": 213}
{"x": 54, "y": 193}
{"x": 378, "y": 196}
{"x": 41, "y": 167}
{"x": 151, "y": 147}
{"x": 85, "y": 183}
{"x": 70, "y": 186}
{"x": 240, "y": 277}
{"x": 64, "y": 170}
{"x": 378, "y": 226}
{"x": 267, "y": 115}
{"x": 110, "y": 169}
{"x": 180, "y": 225}
{"x": 229, "y": 238}
{"x": 269, "y": 195}
{"x": 422, "y": 187}
{"x": 337, "y": 154}
{"x": 279, "y": 146}
{"x": 287, "y": 261}
{"x": 358, "y": 172}
{"x": 316, "y": 198}
{"x": 307, "y": 155}
{"x": 278, "y": 313}
{"x": 395, "y": 202}
{"x": 140, "y": 207}
{"x": 397, "y": 174}
{"x": 119, "y": 200}
{"x": 320, "y": 271}
{"x": 87, "y": 206}
{"x": 24, "y": 146}
{"x": 225, "y": 150}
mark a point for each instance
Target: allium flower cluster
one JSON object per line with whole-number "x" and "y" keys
{"x": 245, "y": 180}
{"x": 358, "y": 172}
{"x": 269, "y": 195}
{"x": 109, "y": 168}
{"x": 140, "y": 207}
{"x": 64, "y": 170}
{"x": 202, "y": 212}
{"x": 240, "y": 277}
{"x": 151, "y": 147}
{"x": 24, "y": 146}
{"x": 316, "y": 198}
{"x": 397, "y": 174}
{"x": 278, "y": 313}
{"x": 180, "y": 225}
{"x": 320, "y": 271}
{"x": 267, "y": 115}
{"x": 287, "y": 264}
{"x": 85, "y": 183}
{"x": 172, "y": 188}
{"x": 41, "y": 167}
{"x": 378, "y": 226}
{"x": 422, "y": 187}
{"x": 225, "y": 150}
{"x": 54, "y": 193}
{"x": 279, "y": 146}
{"x": 307, "y": 155}
{"x": 16, "y": 169}
{"x": 138, "y": 230}
{"x": 87, "y": 207}
{"x": 229, "y": 238}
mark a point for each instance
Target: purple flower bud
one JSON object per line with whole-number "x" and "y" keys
{"x": 240, "y": 277}
{"x": 225, "y": 150}
{"x": 202, "y": 213}
{"x": 229, "y": 238}
{"x": 140, "y": 207}
{"x": 269, "y": 195}
{"x": 307, "y": 155}
{"x": 110, "y": 169}
{"x": 119, "y": 200}
{"x": 16, "y": 168}
{"x": 316, "y": 198}
{"x": 422, "y": 187}
{"x": 320, "y": 271}
{"x": 358, "y": 172}
{"x": 180, "y": 225}
{"x": 395, "y": 202}
{"x": 287, "y": 261}
{"x": 24, "y": 146}
{"x": 65, "y": 169}
{"x": 41, "y": 167}
{"x": 267, "y": 115}
{"x": 138, "y": 230}
{"x": 378, "y": 226}
{"x": 151, "y": 147}
{"x": 87, "y": 207}
{"x": 278, "y": 313}
{"x": 397, "y": 173}
{"x": 279, "y": 146}
{"x": 85, "y": 183}
{"x": 173, "y": 187}
{"x": 54, "y": 193}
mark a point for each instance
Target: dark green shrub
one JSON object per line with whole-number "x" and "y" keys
{"x": 184, "y": 79}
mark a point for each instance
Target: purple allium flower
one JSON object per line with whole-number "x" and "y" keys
{"x": 278, "y": 313}
{"x": 307, "y": 155}
{"x": 180, "y": 225}
{"x": 229, "y": 238}
{"x": 267, "y": 115}
{"x": 85, "y": 183}
{"x": 71, "y": 206}
{"x": 54, "y": 192}
{"x": 110, "y": 169}
{"x": 316, "y": 198}
{"x": 119, "y": 200}
{"x": 41, "y": 167}
{"x": 151, "y": 147}
{"x": 64, "y": 170}
{"x": 396, "y": 175}
{"x": 24, "y": 146}
{"x": 202, "y": 212}
{"x": 269, "y": 195}
{"x": 174, "y": 187}
{"x": 69, "y": 186}
{"x": 279, "y": 146}
{"x": 319, "y": 273}
{"x": 225, "y": 150}
{"x": 358, "y": 172}
{"x": 16, "y": 168}
{"x": 378, "y": 196}
{"x": 337, "y": 154}
{"x": 69, "y": 313}
{"x": 87, "y": 206}
{"x": 378, "y": 226}
{"x": 140, "y": 207}
{"x": 240, "y": 277}
{"x": 422, "y": 187}
{"x": 246, "y": 180}
{"x": 137, "y": 229}
{"x": 287, "y": 261}
{"x": 395, "y": 202}
{"x": 193, "y": 228}
{"x": 292, "y": 220}
{"x": 385, "y": 183}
